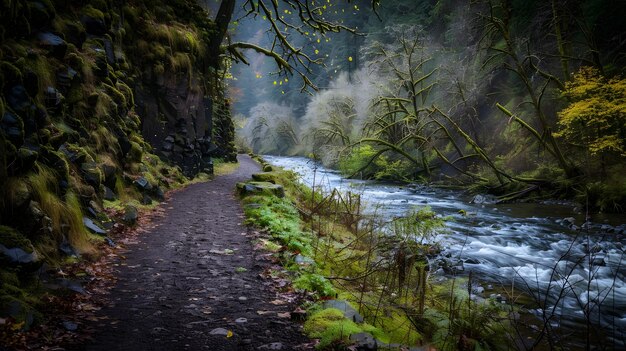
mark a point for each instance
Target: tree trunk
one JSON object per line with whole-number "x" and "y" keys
{"x": 222, "y": 20}
{"x": 559, "y": 41}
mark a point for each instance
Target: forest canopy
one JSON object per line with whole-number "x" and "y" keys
{"x": 506, "y": 96}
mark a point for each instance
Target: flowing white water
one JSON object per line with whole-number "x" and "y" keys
{"x": 575, "y": 274}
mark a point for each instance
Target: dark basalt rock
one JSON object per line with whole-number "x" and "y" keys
{"x": 176, "y": 122}
{"x": 102, "y": 67}
{"x": 158, "y": 193}
{"x": 130, "y": 215}
{"x": 71, "y": 285}
{"x": 143, "y": 184}
{"x": 92, "y": 226}
{"x": 484, "y": 200}
{"x": 605, "y": 228}
{"x": 13, "y": 128}
{"x": 75, "y": 34}
{"x": 91, "y": 173}
{"x": 31, "y": 83}
{"x": 34, "y": 216}
{"x": 26, "y": 158}
{"x": 260, "y": 188}
{"x": 146, "y": 200}
{"x": 109, "y": 173}
{"x": 108, "y": 225}
{"x": 124, "y": 143}
{"x": 70, "y": 326}
{"x": 94, "y": 26}
{"x": 18, "y": 99}
{"x": 55, "y": 45}
{"x": 21, "y": 196}
{"x": 109, "y": 241}
{"x": 108, "y": 49}
{"x": 65, "y": 77}
{"x": 55, "y": 161}
{"x": 67, "y": 249}
{"x": 18, "y": 255}
{"x": 20, "y": 311}
{"x": 167, "y": 146}
{"x": 39, "y": 15}
{"x": 52, "y": 98}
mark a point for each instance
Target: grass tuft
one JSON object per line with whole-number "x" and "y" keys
{"x": 66, "y": 216}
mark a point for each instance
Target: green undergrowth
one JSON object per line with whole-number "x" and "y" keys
{"x": 334, "y": 253}
{"x": 315, "y": 283}
{"x": 280, "y": 219}
{"x": 289, "y": 229}
{"x": 333, "y": 329}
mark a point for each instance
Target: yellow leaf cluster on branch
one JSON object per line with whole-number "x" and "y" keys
{"x": 596, "y": 116}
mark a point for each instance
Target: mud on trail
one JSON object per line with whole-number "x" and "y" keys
{"x": 193, "y": 281}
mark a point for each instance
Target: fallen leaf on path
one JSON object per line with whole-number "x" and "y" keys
{"x": 225, "y": 252}
{"x": 17, "y": 326}
{"x": 284, "y": 315}
{"x": 229, "y": 334}
{"x": 261, "y": 313}
{"x": 278, "y": 302}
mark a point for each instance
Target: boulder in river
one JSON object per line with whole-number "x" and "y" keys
{"x": 569, "y": 221}
{"x": 484, "y": 200}
{"x": 607, "y": 228}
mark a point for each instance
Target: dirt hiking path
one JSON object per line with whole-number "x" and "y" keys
{"x": 194, "y": 278}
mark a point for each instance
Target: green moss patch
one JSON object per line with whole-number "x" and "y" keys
{"x": 333, "y": 329}
{"x": 280, "y": 218}
{"x": 10, "y": 237}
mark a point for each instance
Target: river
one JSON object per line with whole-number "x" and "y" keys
{"x": 533, "y": 247}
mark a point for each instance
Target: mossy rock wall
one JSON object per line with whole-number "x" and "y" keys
{"x": 98, "y": 99}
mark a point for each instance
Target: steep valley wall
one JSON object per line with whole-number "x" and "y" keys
{"x": 104, "y": 104}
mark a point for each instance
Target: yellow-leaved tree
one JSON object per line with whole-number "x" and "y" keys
{"x": 596, "y": 117}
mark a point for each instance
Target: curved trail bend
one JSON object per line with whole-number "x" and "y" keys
{"x": 196, "y": 271}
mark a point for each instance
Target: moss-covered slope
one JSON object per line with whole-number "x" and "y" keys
{"x": 102, "y": 104}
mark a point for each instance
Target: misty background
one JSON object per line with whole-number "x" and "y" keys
{"x": 463, "y": 64}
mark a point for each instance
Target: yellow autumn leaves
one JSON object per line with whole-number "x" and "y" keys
{"x": 596, "y": 116}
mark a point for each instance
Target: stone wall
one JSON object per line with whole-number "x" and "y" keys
{"x": 176, "y": 121}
